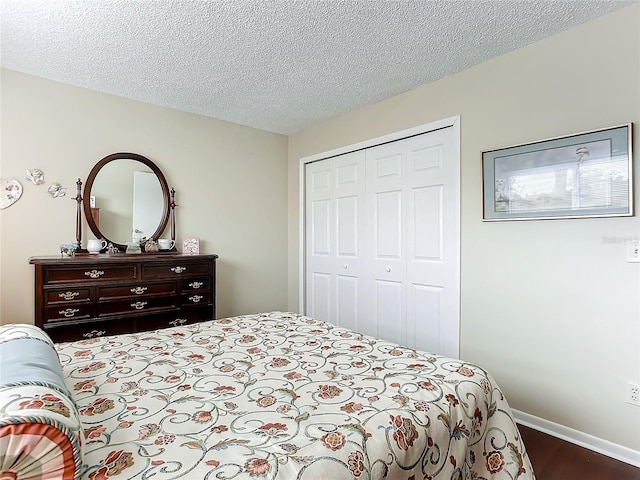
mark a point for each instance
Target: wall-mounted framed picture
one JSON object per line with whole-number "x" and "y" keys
{"x": 588, "y": 174}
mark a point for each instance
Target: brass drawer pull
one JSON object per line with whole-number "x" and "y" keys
{"x": 139, "y": 305}
{"x": 196, "y": 298}
{"x": 69, "y": 312}
{"x": 139, "y": 290}
{"x": 94, "y": 333}
{"x": 178, "y": 269}
{"x": 178, "y": 321}
{"x": 68, "y": 295}
{"x": 196, "y": 285}
{"x": 94, "y": 273}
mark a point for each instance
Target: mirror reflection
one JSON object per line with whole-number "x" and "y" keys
{"x": 147, "y": 204}
{"x": 126, "y": 199}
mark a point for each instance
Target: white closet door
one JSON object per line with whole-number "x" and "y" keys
{"x": 382, "y": 241}
{"x": 386, "y": 230}
{"x": 350, "y": 293}
{"x": 412, "y": 227}
{"x": 335, "y": 216}
{"x": 432, "y": 244}
{"x": 318, "y": 233}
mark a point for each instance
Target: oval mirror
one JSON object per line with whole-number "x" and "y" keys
{"x": 126, "y": 198}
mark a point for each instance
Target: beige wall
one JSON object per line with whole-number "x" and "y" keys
{"x": 550, "y": 308}
{"x": 230, "y": 181}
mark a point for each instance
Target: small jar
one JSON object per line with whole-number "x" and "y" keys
{"x": 133, "y": 247}
{"x": 151, "y": 246}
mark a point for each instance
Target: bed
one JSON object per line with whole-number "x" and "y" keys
{"x": 280, "y": 396}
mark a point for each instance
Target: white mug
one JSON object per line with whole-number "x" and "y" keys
{"x": 166, "y": 243}
{"x": 94, "y": 245}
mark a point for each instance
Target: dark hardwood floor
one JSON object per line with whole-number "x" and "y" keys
{"x": 555, "y": 459}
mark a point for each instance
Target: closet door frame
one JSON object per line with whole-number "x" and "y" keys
{"x": 451, "y": 122}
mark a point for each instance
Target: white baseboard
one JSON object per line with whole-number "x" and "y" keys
{"x": 585, "y": 440}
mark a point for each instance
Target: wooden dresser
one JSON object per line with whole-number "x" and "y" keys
{"x": 93, "y": 295}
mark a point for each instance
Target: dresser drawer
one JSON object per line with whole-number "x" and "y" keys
{"x": 90, "y": 273}
{"x": 67, "y": 295}
{"x": 136, "y": 305}
{"x": 86, "y": 331}
{"x": 175, "y": 269}
{"x": 176, "y": 319}
{"x": 67, "y": 311}
{"x": 195, "y": 284}
{"x": 136, "y": 290}
{"x": 195, "y": 298}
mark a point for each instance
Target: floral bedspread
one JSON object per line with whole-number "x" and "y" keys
{"x": 283, "y": 396}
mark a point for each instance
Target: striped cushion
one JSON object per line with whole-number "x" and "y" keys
{"x": 40, "y": 431}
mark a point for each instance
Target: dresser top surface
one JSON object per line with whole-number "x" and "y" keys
{"x": 95, "y": 259}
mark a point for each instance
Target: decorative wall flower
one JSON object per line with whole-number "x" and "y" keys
{"x": 56, "y": 190}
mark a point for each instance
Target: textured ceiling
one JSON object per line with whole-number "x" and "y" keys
{"x": 274, "y": 65}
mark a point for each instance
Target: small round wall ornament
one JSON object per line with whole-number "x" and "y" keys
{"x": 36, "y": 176}
{"x": 10, "y": 192}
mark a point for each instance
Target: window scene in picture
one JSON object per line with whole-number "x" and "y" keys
{"x": 574, "y": 177}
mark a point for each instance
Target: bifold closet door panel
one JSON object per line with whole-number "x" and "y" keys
{"x": 335, "y": 239}
{"x": 350, "y": 242}
{"x": 318, "y": 233}
{"x": 430, "y": 240}
{"x": 386, "y": 169}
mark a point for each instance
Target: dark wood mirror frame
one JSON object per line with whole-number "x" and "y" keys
{"x": 168, "y": 201}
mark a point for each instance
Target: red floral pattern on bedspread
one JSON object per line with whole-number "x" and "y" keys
{"x": 283, "y": 396}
